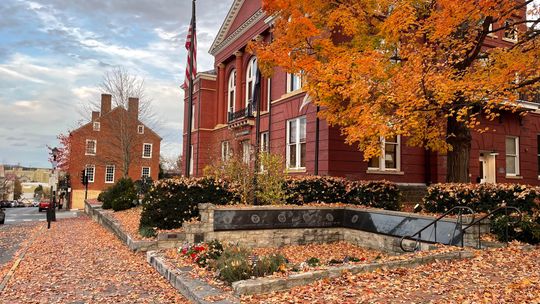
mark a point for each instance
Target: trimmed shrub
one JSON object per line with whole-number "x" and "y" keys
{"x": 120, "y": 196}
{"x": 170, "y": 202}
{"x": 315, "y": 189}
{"x": 487, "y": 197}
{"x": 376, "y": 194}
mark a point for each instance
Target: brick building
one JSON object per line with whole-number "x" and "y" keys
{"x": 113, "y": 144}
{"x": 224, "y": 124}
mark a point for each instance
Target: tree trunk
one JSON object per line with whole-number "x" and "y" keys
{"x": 457, "y": 161}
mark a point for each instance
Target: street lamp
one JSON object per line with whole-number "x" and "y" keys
{"x": 51, "y": 211}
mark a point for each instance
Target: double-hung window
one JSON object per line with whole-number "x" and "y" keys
{"x": 147, "y": 151}
{"x": 96, "y": 126}
{"x": 91, "y": 145}
{"x": 294, "y": 82}
{"x": 265, "y": 142}
{"x": 246, "y": 152}
{"x": 538, "y": 152}
{"x": 389, "y": 160}
{"x": 512, "y": 155}
{"x": 296, "y": 143}
{"x": 109, "y": 174}
{"x": 90, "y": 172}
{"x": 145, "y": 172}
{"x": 510, "y": 31}
{"x": 140, "y": 129}
{"x": 225, "y": 151}
{"x": 251, "y": 75}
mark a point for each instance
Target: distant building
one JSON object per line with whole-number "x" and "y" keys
{"x": 29, "y": 174}
{"x": 113, "y": 144}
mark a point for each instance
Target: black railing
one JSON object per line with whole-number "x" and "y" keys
{"x": 247, "y": 112}
{"x": 418, "y": 235}
{"x": 508, "y": 222}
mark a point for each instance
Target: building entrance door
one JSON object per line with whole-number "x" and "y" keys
{"x": 487, "y": 168}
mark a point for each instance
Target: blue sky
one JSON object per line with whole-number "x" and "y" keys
{"x": 53, "y": 54}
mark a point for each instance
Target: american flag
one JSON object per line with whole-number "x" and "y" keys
{"x": 189, "y": 69}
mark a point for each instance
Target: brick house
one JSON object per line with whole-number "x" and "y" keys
{"x": 224, "y": 124}
{"x": 113, "y": 144}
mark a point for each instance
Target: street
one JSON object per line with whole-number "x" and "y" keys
{"x": 31, "y": 214}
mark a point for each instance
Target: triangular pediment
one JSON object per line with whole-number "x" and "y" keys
{"x": 241, "y": 15}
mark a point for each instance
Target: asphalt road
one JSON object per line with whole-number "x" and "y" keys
{"x": 31, "y": 214}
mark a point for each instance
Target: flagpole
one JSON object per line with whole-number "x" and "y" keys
{"x": 190, "y": 90}
{"x": 257, "y": 131}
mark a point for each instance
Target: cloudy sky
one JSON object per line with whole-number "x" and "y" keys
{"x": 53, "y": 54}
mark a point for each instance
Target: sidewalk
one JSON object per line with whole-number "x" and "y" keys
{"x": 98, "y": 269}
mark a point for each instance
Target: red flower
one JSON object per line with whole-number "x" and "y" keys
{"x": 362, "y": 259}
{"x": 184, "y": 250}
{"x": 193, "y": 255}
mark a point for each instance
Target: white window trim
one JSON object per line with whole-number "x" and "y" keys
{"x": 96, "y": 126}
{"x": 516, "y": 159}
{"x": 113, "y": 173}
{"x": 191, "y": 161}
{"x": 516, "y": 34}
{"x": 246, "y": 157}
{"x": 151, "y": 148}
{"x": 268, "y": 94}
{"x": 86, "y": 147}
{"x": 231, "y": 89}
{"x": 91, "y": 178}
{"x": 265, "y": 144}
{"x": 296, "y": 166}
{"x": 290, "y": 89}
{"x": 140, "y": 129}
{"x": 251, "y": 75}
{"x": 225, "y": 150}
{"x": 193, "y": 117}
{"x": 382, "y": 162}
{"x": 149, "y": 172}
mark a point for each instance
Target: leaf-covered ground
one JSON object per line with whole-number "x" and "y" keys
{"x": 78, "y": 261}
{"x": 504, "y": 275}
{"x": 13, "y": 239}
{"x": 130, "y": 219}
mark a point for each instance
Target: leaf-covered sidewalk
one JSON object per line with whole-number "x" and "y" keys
{"x": 78, "y": 261}
{"x": 505, "y": 275}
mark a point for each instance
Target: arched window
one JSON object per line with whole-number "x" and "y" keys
{"x": 251, "y": 73}
{"x": 231, "y": 92}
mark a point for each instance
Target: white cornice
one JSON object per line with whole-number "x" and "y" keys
{"x": 229, "y": 19}
{"x": 221, "y": 42}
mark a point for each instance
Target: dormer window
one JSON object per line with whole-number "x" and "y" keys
{"x": 251, "y": 75}
{"x": 96, "y": 126}
{"x": 140, "y": 129}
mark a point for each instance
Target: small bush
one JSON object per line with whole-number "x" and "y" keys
{"x": 315, "y": 189}
{"x": 234, "y": 264}
{"x": 120, "y": 196}
{"x": 528, "y": 230}
{"x": 313, "y": 262}
{"x": 170, "y": 202}
{"x": 269, "y": 264}
{"x": 147, "y": 232}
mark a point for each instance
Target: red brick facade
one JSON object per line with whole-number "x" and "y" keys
{"x": 212, "y": 125}
{"x": 108, "y": 129}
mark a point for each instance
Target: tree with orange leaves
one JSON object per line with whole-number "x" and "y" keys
{"x": 415, "y": 68}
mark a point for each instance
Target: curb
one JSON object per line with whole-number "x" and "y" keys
{"x": 10, "y": 273}
{"x": 197, "y": 291}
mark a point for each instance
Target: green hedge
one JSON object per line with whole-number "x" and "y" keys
{"x": 170, "y": 202}
{"x": 120, "y": 196}
{"x": 487, "y": 197}
{"x": 376, "y": 194}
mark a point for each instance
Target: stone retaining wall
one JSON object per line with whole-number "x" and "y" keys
{"x": 110, "y": 223}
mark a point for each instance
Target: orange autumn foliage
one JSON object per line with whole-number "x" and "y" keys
{"x": 404, "y": 67}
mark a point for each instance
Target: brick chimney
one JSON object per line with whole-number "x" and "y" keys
{"x": 95, "y": 115}
{"x": 105, "y": 103}
{"x": 133, "y": 107}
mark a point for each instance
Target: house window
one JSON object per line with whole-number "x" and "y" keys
{"x": 231, "y": 93}
{"x": 91, "y": 147}
{"x": 109, "y": 174}
{"x": 538, "y": 152}
{"x": 90, "y": 172}
{"x": 512, "y": 155}
{"x": 294, "y": 82}
{"x": 96, "y": 126}
{"x": 147, "y": 151}
{"x": 225, "y": 151}
{"x": 510, "y": 31}
{"x": 192, "y": 117}
{"x": 145, "y": 172}
{"x": 251, "y": 73}
{"x": 296, "y": 143}
{"x": 265, "y": 142}
{"x": 390, "y": 155}
{"x": 140, "y": 129}
{"x": 246, "y": 151}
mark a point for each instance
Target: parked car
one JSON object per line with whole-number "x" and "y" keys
{"x": 43, "y": 205}
{"x": 2, "y": 216}
{"x": 5, "y": 204}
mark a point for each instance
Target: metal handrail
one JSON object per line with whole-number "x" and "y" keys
{"x": 419, "y": 232}
{"x": 505, "y": 208}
